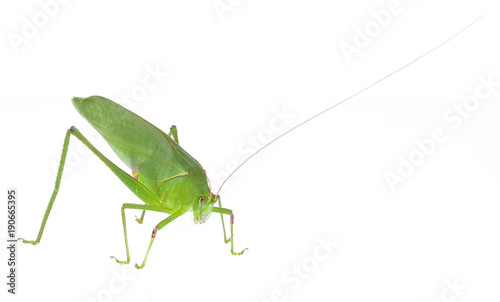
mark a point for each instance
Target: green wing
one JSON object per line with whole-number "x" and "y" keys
{"x": 140, "y": 145}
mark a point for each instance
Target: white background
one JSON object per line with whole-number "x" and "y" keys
{"x": 227, "y": 76}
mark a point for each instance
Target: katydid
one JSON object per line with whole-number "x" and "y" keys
{"x": 164, "y": 176}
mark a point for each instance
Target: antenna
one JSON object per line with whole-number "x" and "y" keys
{"x": 348, "y": 98}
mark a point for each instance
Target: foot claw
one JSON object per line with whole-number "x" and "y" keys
{"x": 240, "y": 253}
{"x": 118, "y": 261}
{"x": 28, "y": 241}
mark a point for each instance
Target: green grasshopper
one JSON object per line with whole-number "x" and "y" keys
{"x": 165, "y": 177}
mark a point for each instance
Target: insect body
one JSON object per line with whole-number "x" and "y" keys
{"x": 165, "y": 177}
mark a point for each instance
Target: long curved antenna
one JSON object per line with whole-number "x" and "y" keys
{"x": 348, "y": 98}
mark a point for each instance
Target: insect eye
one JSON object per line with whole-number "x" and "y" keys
{"x": 202, "y": 200}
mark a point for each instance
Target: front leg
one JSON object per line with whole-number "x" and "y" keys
{"x": 222, "y": 219}
{"x": 230, "y": 213}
